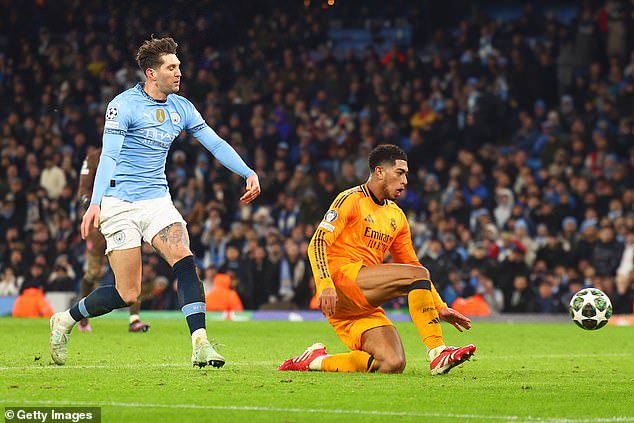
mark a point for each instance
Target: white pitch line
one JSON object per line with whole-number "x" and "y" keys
{"x": 498, "y": 357}
{"x": 133, "y": 366}
{"x": 275, "y": 363}
{"x": 515, "y": 419}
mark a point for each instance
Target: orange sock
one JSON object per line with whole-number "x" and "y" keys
{"x": 424, "y": 314}
{"x": 354, "y": 361}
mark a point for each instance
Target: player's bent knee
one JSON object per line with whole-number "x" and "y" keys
{"x": 392, "y": 364}
{"x": 129, "y": 299}
{"x": 130, "y": 296}
{"x": 421, "y": 273}
{"x": 181, "y": 253}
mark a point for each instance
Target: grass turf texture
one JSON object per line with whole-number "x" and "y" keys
{"x": 521, "y": 372}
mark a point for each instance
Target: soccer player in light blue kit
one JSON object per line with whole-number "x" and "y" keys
{"x": 131, "y": 202}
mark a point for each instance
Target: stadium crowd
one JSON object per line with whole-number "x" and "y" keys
{"x": 518, "y": 133}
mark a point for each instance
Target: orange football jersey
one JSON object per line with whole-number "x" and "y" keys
{"x": 357, "y": 229}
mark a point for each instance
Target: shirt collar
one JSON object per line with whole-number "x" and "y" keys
{"x": 140, "y": 85}
{"x": 370, "y": 194}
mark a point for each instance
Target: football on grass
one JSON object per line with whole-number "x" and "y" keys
{"x": 590, "y": 309}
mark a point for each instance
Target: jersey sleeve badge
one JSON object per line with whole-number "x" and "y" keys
{"x": 111, "y": 113}
{"x": 331, "y": 216}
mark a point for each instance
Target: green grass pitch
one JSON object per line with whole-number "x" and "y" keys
{"x": 521, "y": 373}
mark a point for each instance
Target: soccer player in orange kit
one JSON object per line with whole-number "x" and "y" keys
{"x": 346, "y": 255}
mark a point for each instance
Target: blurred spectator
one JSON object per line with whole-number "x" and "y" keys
{"x": 493, "y": 296}
{"x": 294, "y": 276}
{"x": 521, "y": 297}
{"x": 32, "y": 303}
{"x": 222, "y": 297}
{"x": 261, "y": 274}
{"x": 605, "y": 258}
{"x": 552, "y": 253}
{"x": 63, "y": 276}
{"x": 208, "y": 278}
{"x": 625, "y": 277}
{"x": 510, "y": 269}
{"x": 10, "y": 283}
{"x": 52, "y": 179}
{"x": 505, "y": 202}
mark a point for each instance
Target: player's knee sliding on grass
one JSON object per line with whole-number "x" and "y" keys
{"x": 130, "y": 201}
{"x": 379, "y": 346}
{"x": 346, "y": 255}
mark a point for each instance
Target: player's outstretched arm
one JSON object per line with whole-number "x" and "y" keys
{"x": 222, "y": 151}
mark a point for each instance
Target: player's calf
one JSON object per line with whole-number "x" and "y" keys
{"x": 101, "y": 301}
{"x": 192, "y": 297}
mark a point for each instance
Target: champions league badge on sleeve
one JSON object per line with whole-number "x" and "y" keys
{"x": 331, "y": 216}
{"x": 111, "y": 113}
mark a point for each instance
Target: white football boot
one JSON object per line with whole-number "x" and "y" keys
{"x": 205, "y": 354}
{"x": 58, "y": 343}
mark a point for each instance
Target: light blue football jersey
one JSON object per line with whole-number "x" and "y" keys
{"x": 149, "y": 127}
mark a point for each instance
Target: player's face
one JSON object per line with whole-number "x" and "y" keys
{"x": 394, "y": 179}
{"x": 168, "y": 76}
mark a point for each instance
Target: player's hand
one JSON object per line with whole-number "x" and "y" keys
{"x": 456, "y": 318}
{"x": 253, "y": 189}
{"x": 91, "y": 218}
{"x": 328, "y": 301}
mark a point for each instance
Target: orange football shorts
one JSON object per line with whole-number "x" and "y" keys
{"x": 353, "y": 314}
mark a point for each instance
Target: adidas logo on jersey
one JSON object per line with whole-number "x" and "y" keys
{"x": 369, "y": 219}
{"x": 435, "y": 320}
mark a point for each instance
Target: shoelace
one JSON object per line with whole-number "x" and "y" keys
{"x": 211, "y": 343}
{"x": 215, "y": 344}
{"x": 58, "y": 336}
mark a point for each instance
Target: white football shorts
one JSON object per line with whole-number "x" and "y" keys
{"x": 125, "y": 224}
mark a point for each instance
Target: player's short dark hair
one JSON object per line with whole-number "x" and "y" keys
{"x": 151, "y": 51}
{"x": 385, "y": 153}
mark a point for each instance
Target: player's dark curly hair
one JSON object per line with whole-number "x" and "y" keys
{"x": 385, "y": 153}
{"x": 151, "y": 51}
